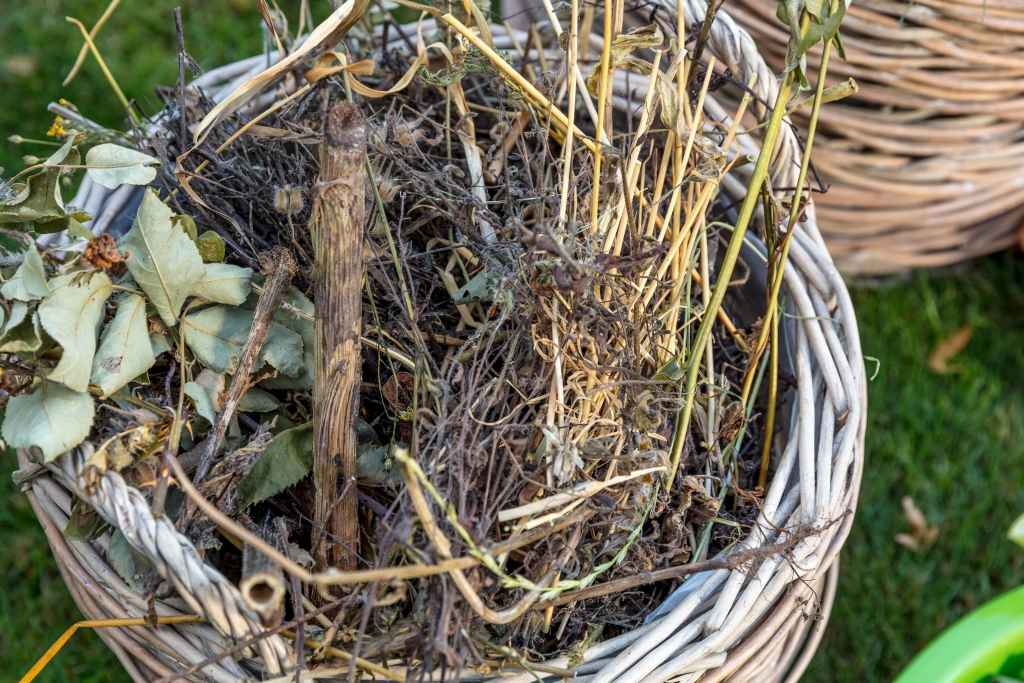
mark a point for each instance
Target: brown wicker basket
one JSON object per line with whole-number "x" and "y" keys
{"x": 923, "y": 165}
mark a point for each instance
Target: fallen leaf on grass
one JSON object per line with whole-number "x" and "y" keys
{"x": 921, "y": 535}
{"x": 946, "y": 350}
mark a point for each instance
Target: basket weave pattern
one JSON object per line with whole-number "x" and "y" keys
{"x": 923, "y": 163}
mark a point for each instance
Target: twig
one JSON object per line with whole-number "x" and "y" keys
{"x": 181, "y": 73}
{"x": 279, "y": 266}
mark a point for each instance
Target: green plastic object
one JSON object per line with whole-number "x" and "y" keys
{"x": 988, "y": 642}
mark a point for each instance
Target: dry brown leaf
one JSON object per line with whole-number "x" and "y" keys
{"x": 921, "y": 535}
{"x": 327, "y": 34}
{"x": 261, "y": 6}
{"x": 946, "y": 350}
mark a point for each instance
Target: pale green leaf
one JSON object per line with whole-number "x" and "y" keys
{"x": 1016, "y": 533}
{"x": 481, "y": 287}
{"x": 224, "y": 284}
{"x": 217, "y": 334}
{"x": 112, "y": 165}
{"x": 29, "y": 280}
{"x": 50, "y": 417}
{"x": 40, "y": 199}
{"x": 22, "y": 335}
{"x": 187, "y": 225}
{"x": 295, "y": 300}
{"x": 77, "y": 231}
{"x": 211, "y": 247}
{"x": 60, "y": 223}
{"x": 286, "y": 461}
{"x": 71, "y": 315}
{"x": 282, "y": 349}
{"x": 257, "y": 401}
{"x": 19, "y": 310}
{"x": 33, "y": 274}
{"x": 125, "y": 351}
{"x": 161, "y": 343}
{"x": 210, "y": 334}
{"x": 201, "y": 401}
{"x": 62, "y": 152}
{"x": 213, "y": 383}
{"x": 164, "y": 261}
{"x": 128, "y": 564}
{"x": 375, "y": 464}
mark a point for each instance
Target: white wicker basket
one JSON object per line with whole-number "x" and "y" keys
{"x": 760, "y": 623}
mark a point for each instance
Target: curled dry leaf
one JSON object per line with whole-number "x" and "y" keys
{"x": 101, "y": 253}
{"x": 947, "y": 349}
{"x": 921, "y": 535}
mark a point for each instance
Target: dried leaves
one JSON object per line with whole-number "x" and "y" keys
{"x": 921, "y": 535}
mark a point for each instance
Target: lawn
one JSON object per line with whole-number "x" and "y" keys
{"x": 954, "y": 442}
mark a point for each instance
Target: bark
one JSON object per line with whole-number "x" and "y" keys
{"x": 338, "y": 290}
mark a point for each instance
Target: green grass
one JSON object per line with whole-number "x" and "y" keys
{"x": 955, "y": 443}
{"x": 139, "y": 45}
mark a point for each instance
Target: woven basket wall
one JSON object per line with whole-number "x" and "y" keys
{"x": 759, "y": 623}
{"x": 925, "y": 165}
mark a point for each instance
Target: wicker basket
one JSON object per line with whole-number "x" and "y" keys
{"x": 923, "y": 163}
{"x": 759, "y": 623}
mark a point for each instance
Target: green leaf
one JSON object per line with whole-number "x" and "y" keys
{"x": 33, "y": 274}
{"x": 22, "y": 335}
{"x": 294, "y": 298}
{"x": 50, "y": 417}
{"x": 257, "y": 401}
{"x": 77, "y": 231}
{"x": 128, "y": 564}
{"x": 18, "y": 287}
{"x": 815, "y": 32}
{"x": 224, "y": 284}
{"x": 187, "y": 225}
{"x": 217, "y": 334}
{"x": 211, "y": 247}
{"x": 164, "y": 261}
{"x": 671, "y": 370}
{"x": 1016, "y": 532}
{"x": 375, "y": 464}
{"x": 61, "y": 223}
{"x": 84, "y": 523}
{"x": 201, "y": 401}
{"x": 112, "y": 165}
{"x": 161, "y": 343}
{"x": 39, "y": 199}
{"x": 62, "y": 153}
{"x": 283, "y": 349}
{"x": 286, "y": 461}
{"x": 125, "y": 351}
{"x": 71, "y": 315}
{"x": 481, "y": 287}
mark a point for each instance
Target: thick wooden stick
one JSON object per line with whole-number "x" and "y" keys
{"x": 339, "y": 273}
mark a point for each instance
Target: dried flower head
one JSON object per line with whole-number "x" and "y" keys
{"x": 288, "y": 199}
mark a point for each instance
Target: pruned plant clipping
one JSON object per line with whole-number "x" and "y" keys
{"x": 433, "y": 350}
